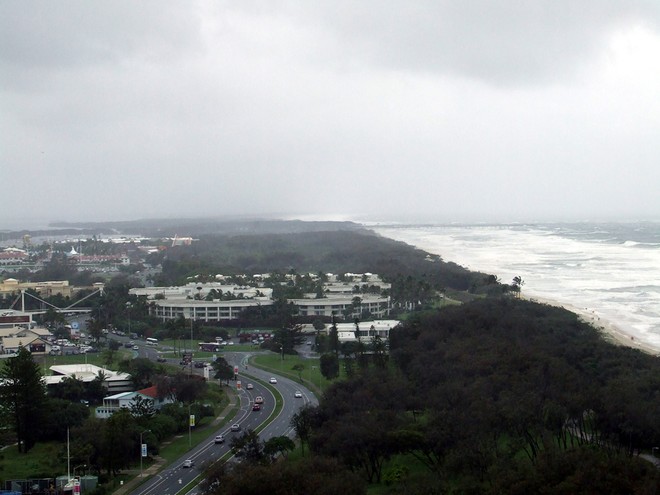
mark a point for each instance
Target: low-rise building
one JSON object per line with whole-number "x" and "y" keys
{"x": 127, "y": 400}
{"x": 113, "y": 381}
{"x": 36, "y": 345}
{"x": 348, "y": 332}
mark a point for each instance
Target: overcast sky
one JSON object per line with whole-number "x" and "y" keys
{"x": 376, "y": 110}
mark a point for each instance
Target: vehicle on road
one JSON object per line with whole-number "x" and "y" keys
{"x": 188, "y": 463}
{"x": 136, "y": 348}
{"x": 219, "y": 439}
{"x": 298, "y": 394}
{"x": 250, "y": 386}
{"x": 256, "y": 407}
{"x": 273, "y": 379}
{"x": 258, "y": 399}
{"x": 235, "y": 427}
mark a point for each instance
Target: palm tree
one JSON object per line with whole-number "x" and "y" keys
{"x": 518, "y": 282}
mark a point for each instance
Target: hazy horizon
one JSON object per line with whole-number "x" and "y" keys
{"x": 440, "y": 111}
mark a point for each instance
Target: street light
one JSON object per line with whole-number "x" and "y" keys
{"x": 79, "y": 466}
{"x": 142, "y": 450}
{"x": 282, "y": 358}
{"x": 128, "y": 310}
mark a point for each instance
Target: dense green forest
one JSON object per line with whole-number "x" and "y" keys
{"x": 357, "y": 251}
{"x": 496, "y": 396}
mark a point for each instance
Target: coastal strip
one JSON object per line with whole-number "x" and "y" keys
{"x": 609, "y": 331}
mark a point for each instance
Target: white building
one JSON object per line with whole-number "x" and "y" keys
{"x": 189, "y": 301}
{"x": 339, "y": 305}
{"x": 114, "y": 381}
{"x": 346, "y": 332}
{"x": 171, "y": 309}
{"x": 126, "y": 400}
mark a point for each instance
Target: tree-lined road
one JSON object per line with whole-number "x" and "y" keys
{"x": 174, "y": 477}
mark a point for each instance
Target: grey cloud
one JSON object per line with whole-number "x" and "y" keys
{"x": 502, "y": 42}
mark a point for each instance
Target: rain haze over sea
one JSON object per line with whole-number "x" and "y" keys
{"x": 609, "y": 271}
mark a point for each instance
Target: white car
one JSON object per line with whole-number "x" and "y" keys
{"x": 235, "y": 427}
{"x": 273, "y": 379}
{"x": 250, "y": 386}
{"x": 188, "y": 463}
{"x": 298, "y": 394}
{"x": 219, "y": 439}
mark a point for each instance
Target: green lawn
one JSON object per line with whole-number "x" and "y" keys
{"x": 95, "y": 358}
{"x": 311, "y": 374}
{"x": 44, "y": 460}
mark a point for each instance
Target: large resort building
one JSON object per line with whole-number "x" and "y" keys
{"x": 214, "y": 302}
{"x": 344, "y": 305}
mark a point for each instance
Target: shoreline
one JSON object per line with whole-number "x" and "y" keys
{"x": 608, "y": 330}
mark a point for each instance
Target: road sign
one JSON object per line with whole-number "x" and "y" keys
{"x": 144, "y": 450}
{"x": 192, "y": 420}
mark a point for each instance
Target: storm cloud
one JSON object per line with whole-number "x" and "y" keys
{"x": 389, "y": 110}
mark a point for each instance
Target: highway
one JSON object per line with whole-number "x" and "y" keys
{"x": 171, "y": 479}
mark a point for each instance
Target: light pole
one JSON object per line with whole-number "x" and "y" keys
{"x": 128, "y": 311}
{"x": 142, "y": 450}
{"x": 282, "y": 359}
{"x": 311, "y": 368}
{"x": 80, "y": 466}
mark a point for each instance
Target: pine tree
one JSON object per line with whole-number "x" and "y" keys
{"x": 22, "y": 398}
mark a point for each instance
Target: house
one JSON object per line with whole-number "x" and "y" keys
{"x": 126, "y": 400}
{"x": 36, "y": 345}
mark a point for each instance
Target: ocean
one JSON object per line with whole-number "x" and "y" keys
{"x": 609, "y": 272}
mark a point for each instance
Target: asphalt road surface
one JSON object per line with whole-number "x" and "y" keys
{"x": 174, "y": 477}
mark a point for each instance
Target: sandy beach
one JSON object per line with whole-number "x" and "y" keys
{"x": 610, "y": 332}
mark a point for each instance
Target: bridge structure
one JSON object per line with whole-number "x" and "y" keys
{"x": 72, "y": 308}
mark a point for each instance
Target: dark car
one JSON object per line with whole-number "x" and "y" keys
{"x": 199, "y": 364}
{"x": 161, "y": 359}
{"x": 256, "y": 407}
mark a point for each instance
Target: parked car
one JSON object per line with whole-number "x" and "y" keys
{"x": 219, "y": 439}
{"x": 235, "y": 427}
{"x": 199, "y": 364}
{"x": 161, "y": 359}
{"x": 136, "y": 348}
{"x": 188, "y": 463}
{"x": 273, "y": 379}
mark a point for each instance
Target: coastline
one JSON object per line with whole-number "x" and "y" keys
{"x": 608, "y": 330}
{"x": 567, "y": 261}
